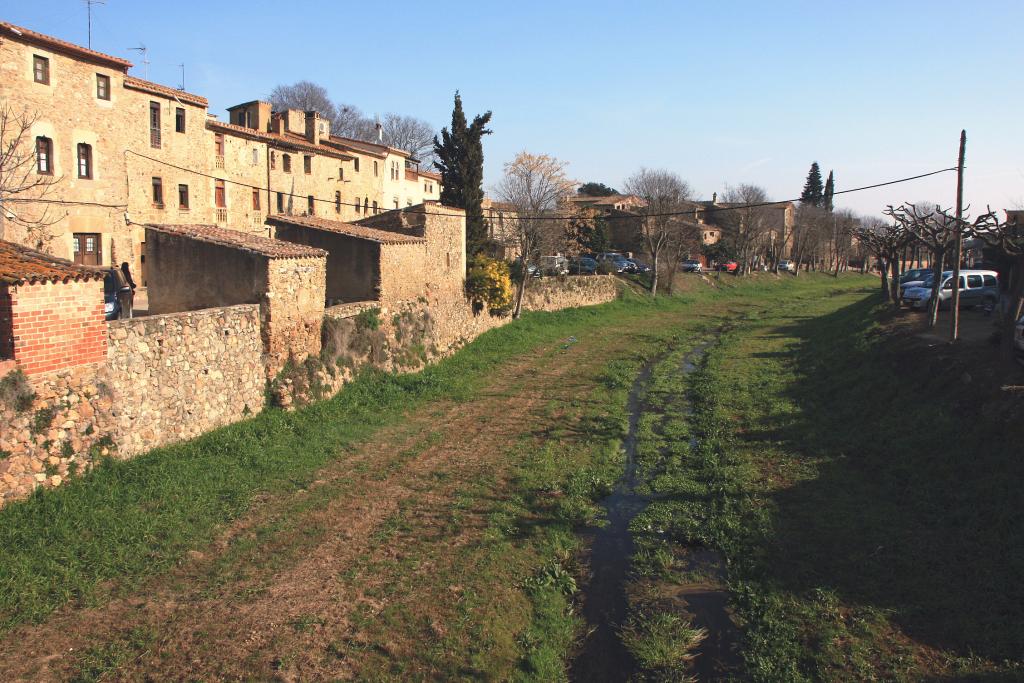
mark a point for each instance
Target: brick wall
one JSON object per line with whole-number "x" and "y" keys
{"x": 57, "y": 325}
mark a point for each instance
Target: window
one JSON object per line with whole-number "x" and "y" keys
{"x": 102, "y": 87}
{"x": 183, "y": 197}
{"x": 84, "y": 161}
{"x": 255, "y": 200}
{"x": 355, "y": 164}
{"x": 309, "y": 206}
{"x": 357, "y": 204}
{"x": 41, "y": 69}
{"x": 44, "y": 156}
{"x": 273, "y": 160}
{"x": 337, "y": 202}
{"x": 307, "y": 164}
{"x": 341, "y": 174}
{"x": 218, "y": 144}
{"x": 396, "y": 202}
{"x": 374, "y": 169}
{"x": 219, "y": 198}
{"x": 154, "y": 124}
{"x": 974, "y": 281}
{"x": 255, "y": 156}
{"x": 990, "y": 281}
{"x": 375, "y": 207}
{"x": 158, "y": 192}
{"x": 286, "y": 161}
{"x": 280, "y": 202}
{"x": 366, "y": 205}
{"x": 179, "y": 120}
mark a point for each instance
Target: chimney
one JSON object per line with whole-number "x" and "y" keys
{"x": 714, "y": 197}
{"x": 313, "y": 127}
{"x": 277, "y": 123}
{"x": 380, "y": 133}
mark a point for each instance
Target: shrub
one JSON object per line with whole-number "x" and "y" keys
{"x": 43, "y": 419}
{"x": 16, "y": 392}
{"x": 368, "y": 319}
{"x": 489, "y": 282}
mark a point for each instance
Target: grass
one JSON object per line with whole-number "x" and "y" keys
{"x": 127, "y": 521}
{"x": 862, "y": 492}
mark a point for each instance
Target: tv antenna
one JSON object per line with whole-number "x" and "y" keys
{"x": 88, "y": 12}
{"x": 145, "y": 60}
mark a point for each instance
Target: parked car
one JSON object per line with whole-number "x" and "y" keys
{"x": 639, "y": 267}
{"x": 691, "y": 266}
{"x": 786, "y": 266}
{"x": 1018, "y": 340}
{"x": 554, "y": 265}
{"x": 915, "y": 275}
{"x": 977, "y": 288}
{"x": 117, "y": 295}
{"x": 583, "y": 265}
{"x": 621, "y": 264}
{"x": 609, "y": 256}
{"x": 729, "y": 267}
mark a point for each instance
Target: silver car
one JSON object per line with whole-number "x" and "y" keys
{"x": 977, "y": 288}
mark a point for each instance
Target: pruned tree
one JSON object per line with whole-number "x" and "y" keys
{"x": 460, "y": 159}
{"x": 935, "y": 228}
{"x": 23, "y": 188}
{"x": 1008, "y": 239}
{"x": 664, "y": 193}
{"x": 885, "y": 242}
{"x": 747, "y": 221}
{"x": 537, "y": 186}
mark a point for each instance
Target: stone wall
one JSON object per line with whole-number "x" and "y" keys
{"x": 293, "y": 309}
{"x": 179, "y": 375}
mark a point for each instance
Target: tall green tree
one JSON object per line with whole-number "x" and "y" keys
{"x": 593, "y": 189}
{"x": 460, "y": 159}
{"x": 813, "y": 194}
{"x": 830, "y": 188}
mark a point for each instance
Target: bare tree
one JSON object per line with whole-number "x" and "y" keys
{"x": 304, "y": 96}
{"x": 23, "y": 188}
{"x": 885, "y": 242}
{"x": 536, "y": 186}
{"x": 1008, "y": 239}
{"x": 935, "y": 229}
{"x": 664, "y": 193}
{"x": 411, "y": 134}
{"x": 747, "y": 223}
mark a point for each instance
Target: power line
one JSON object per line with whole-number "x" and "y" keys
{"x": 27, "y": 200}
{"x": 705, "y": 210}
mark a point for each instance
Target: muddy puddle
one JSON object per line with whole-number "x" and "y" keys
{"x": 603, "y": 656}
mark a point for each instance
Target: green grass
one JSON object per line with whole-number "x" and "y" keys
{"x": 864, "y": 494}
{"x": 127, "y": 521}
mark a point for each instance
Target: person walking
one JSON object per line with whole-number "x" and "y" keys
{"x": 131, "y": 283}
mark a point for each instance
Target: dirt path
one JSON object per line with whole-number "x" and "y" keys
{"x": 302, "y": 573}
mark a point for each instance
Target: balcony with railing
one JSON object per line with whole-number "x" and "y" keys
{"x": 218, "y": 161}
{"x": 222, "y": 215}
{"x": 154, "y": 137}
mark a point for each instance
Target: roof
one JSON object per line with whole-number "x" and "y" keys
{"x": 431, "y": 174}
{"x": 609, "y": 200}
{"x": 20, "y": 264}
{"x": 295, "y": 141}
{"x": 350, "y": 229}
{"x": 157, "y": 89}
{"x": 234, "y": 239}
{"x": 58, "y": 45}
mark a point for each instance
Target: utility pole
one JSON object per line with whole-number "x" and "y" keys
{"x": 954, "y": 323}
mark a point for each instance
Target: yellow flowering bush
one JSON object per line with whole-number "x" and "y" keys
{"x": 488, "y": 282}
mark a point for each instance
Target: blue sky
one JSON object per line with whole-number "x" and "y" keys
{"x": 719, "y": 92}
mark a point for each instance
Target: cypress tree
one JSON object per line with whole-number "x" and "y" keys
{"x": 812, "y": 193}
{"x": 460, "y": 159}
{"x": 830, "y": 188}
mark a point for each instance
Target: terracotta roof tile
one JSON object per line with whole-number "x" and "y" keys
{"x": 156, "y": 88}
{"x": 59, "y": 45}
{"x": 350, "y": 229}
{"x": 20, "y": 264}
{"x": 234, "y": 239}
{"x": 274, "y": 138}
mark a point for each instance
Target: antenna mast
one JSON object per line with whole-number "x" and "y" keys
{"x": 88, "y": 12}
{"x": 145, "y": 60}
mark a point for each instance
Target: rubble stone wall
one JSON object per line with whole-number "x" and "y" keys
{"x": 293, "y": 309}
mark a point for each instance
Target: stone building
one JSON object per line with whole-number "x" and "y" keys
{"x": 117, "y": 152}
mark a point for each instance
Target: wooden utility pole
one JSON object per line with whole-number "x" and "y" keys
{"x": 958, "y": 252}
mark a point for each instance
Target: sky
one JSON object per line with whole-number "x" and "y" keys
{"x": 721, "y": 93}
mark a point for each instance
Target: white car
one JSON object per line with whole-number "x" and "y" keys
{"x": 977, "y": 288}
{"x": 787, "y": 266}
